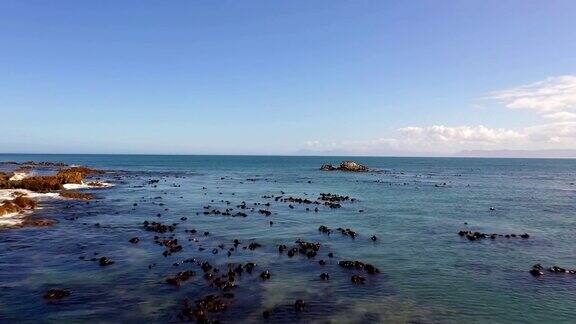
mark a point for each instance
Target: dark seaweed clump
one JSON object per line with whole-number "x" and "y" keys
{"x": 474, "y": 236}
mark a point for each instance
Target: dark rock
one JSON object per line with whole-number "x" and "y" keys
{"x": 104, "y": 261}
{"x": 557, "y": 269}
{"x": 206, "y": 266}
{"x": 249, "y": 267}
{"x": 358, "y": 279}
{"x": 350, "y": 166}
{"x": 265, "y": 275}
{"x": 158, "y": 227}
{"x": 208, "y": 304}
{"x": 299, "y": 305}
{"x": 254, "y": 246}
{"x": 357, "y": 265}
{"x": 265, "y": 212}
{"x": 327, "y": 167}
{"x": 537, "y": 270}
{"x": 324, "y": 229}
{"x": 56, "y": 294}
{"x": 348, "y": 232}
{"x": 473, "y": 236}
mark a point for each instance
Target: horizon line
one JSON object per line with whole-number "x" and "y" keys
{"x": 455, "y": 156}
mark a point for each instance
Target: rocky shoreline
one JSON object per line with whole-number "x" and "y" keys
{"x": 20, "y": 189}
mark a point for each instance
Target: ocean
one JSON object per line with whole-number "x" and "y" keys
{"x": 414, "y": 207}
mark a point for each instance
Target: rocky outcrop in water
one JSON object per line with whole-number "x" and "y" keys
{"x": 473, "y": 236}
{"x": 17, "y": 205}
{"x": 538, "y": 270}
{"x": 327, "y": 167}
{"x": 357, "y": 265}
{"x": 56, "y": 294}
{"x": 349, "y": 166}
{"x": 20, "y": 185}
{"x": 55, "y": 182}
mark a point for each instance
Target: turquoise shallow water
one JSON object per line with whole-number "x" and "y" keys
{"x": 428, "y": 272}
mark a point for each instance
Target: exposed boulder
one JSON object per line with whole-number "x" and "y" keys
{"x": 9, "y": 208}
{"x": 327, "y": 167}
{"x": 24, "y": 202}
{"x": 56, "y": 294}
{"x": 350, "y": 166}
{"x": 17, "y": 205}
{"x": 538, "y": 270}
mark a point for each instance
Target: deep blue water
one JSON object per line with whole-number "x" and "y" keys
{"x": 428, "y": 272}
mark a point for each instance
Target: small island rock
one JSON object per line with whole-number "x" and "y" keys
{"x": 350, "y": 166}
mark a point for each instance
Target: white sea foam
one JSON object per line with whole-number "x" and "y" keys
{"x": 74, "y": 186}
{"x": 83, "y": 185}
{"x": 13, "y": 219}
{"x": 39, "y": 195}
{"x": 6, "y": 194}
{"x": 18, "y": 176}
{"x": 10, "y": 194}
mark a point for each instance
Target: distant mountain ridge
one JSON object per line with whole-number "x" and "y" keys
{"x": 518, "y": 153}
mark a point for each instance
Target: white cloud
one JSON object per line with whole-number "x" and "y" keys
{"x": 553, "y": 95}
{"x": 561, "y": 133}
{"x": 449, "y": 139}
{"x": 562, "y": 115}
{"x": 553, "y": 99}
{"x": 552, "y": 135}
{"x": 461, "y": 134}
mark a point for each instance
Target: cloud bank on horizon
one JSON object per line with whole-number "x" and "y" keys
{"x": 553, "y": 100}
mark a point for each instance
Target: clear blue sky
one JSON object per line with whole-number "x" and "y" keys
{"x": 274, "y": 77}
